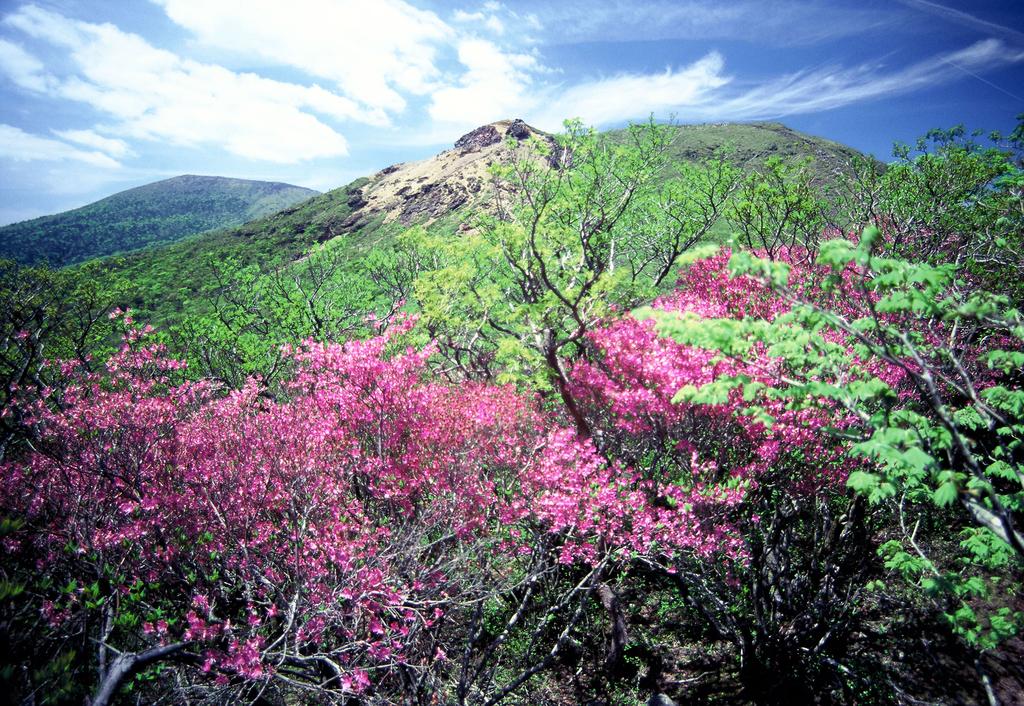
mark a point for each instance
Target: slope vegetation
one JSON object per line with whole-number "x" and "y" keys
{"x": 748, "y": 144}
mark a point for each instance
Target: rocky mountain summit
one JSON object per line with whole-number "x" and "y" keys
{"x": 421, "y": 192}
{"x": 493, "y": 133}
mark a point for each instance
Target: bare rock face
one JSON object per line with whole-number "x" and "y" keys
{"x": 424, "y": 191}
{"x": 487, "y": 135}
{"x": 518, "y": 129}
{"x": 433, "y": 201}
{"x": 478, "y": 139}
{"x": 356, "y": 200}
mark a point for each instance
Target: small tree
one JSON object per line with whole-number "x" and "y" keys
{"x": 250, "y": 312}
{"x": 45, "y": 315}
{"x": 777, "y": 207}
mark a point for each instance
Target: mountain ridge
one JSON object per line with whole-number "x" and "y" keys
{"x": 439, "y": 192}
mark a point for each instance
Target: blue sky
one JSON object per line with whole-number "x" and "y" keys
{"x": 101, "y": 95}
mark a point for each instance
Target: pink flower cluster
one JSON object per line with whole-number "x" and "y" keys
{"x": 269, "y": 529}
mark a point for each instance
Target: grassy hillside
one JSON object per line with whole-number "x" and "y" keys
{"x": 746, "y": 144}
{"x": 754, "y": 141}
{"x": 154, "y": 214}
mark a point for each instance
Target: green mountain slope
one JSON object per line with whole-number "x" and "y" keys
{"x": 439, "y": 192}
{"x": 154, "y": 214}
{"x": 165, "y": 281}
{"x": 749, "y": 143}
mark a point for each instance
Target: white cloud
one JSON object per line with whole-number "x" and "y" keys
{"x": 21, "y": 146}
{"x": 626, "y": 96}
{"x": 495, "y": 25}
{"x": 495, "y": 84}
{"x": 108, "y": 145}
{"x": 463, "y": 16}
{"x": 489, "y": 20}
{"x": 497, "y": 20}
{"x": 158, "y": 95}
{"x": 23, "y": 68}
{"x": 373, "y": 51}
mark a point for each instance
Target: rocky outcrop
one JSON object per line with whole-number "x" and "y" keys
{"x": 519, "y": 130}
{"x": 356, "y": 201}
{"x": 483, "y": 136}
{"x": 433, "y": 201}
{"x": 487, "y": 135}
{"x": 420, "y": 192}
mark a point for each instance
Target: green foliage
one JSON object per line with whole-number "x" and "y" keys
{"x": 957, "y": 440}
{"x": 49, "y": 315}
{"x": 254, "y": 311}
{"x": 950, "y": 193}
{"x": 778, "y": 206}
{"x": 171, "y": 282}
{"x": 943, "y": 186}
{"x": 567, "y": 246}
{"x": 673, "y": 219}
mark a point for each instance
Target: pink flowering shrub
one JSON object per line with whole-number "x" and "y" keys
{"x": 696, "y": 462}
{"x": 321, "y": 536}
{"x": 315, "y": 536}
{"x": 344, "y": 530}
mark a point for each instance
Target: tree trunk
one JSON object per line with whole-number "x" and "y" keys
{"x": 614, "y": 659}
{"x": 126, "y": 664}
{"x": 555, "y": 365}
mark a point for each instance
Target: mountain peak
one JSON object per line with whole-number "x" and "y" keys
{"x": 420, "y": 192}
{"x": 493, "y": 133}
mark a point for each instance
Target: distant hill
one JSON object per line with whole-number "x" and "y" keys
{"x": 154, "y": 214}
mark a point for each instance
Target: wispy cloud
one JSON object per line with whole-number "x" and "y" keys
{"x": 767, "y": 22}
{"x": 22, "y": 68}
{"x": 21, "y": 146}
{"x": 625, "y": 96}
{"x": 107, "y": 145}
{"x": 829, "y": 88}
{"x": 966, "y": 19}
{"x": 701, "y": 91}
{"x": 488, "y": 18}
